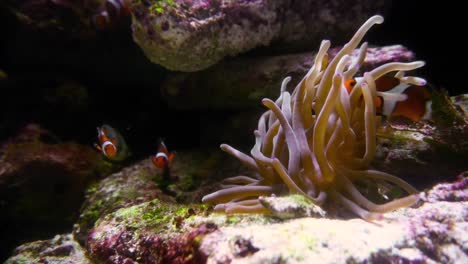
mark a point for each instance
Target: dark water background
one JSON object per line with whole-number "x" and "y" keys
{"x": 134, "y": 106}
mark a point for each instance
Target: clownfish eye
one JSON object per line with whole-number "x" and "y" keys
{"x": 349, "y": 84}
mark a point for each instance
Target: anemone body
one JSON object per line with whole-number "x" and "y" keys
{"x": 319, "y": 139}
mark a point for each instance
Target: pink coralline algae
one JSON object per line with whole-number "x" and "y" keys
{"x": 125, "y": 246}
{"x": 451, "y": 192}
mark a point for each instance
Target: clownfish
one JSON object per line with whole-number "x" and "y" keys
{"x": 411, "y": 101}
{"x": 111, "y": 143}
{"x": 113, "y": 13}
{"x": 163, "y": 158}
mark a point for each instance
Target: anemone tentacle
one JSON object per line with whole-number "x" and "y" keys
{"x": 319, "y": 139}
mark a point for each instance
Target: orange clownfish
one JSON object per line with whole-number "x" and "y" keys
{"x": 163, "y": 158}
{"x": 413, "y": 103}
{"x": 112, "y": 15}
{"x": 111, "y": 143}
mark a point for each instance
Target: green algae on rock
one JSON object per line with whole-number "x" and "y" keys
{"x": 149, "y": 232}
{"x": 143, "y": 182}
{"x": 130, "y": 186}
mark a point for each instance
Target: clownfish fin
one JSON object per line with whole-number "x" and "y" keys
{"x": 171, "y": 157}
{"x": 162, "y": 147}
{"x": 104, "y": 130}
{"x": 391, "y": 97}
{"x": 97, "y": 147}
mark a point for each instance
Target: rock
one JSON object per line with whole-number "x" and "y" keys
{"x": 42, "y": 182}
{"x": 243, "y": 82}
{"x": 426, "y": 152}
{"x": 433, "y": 233}
{"x": 451, "y": 192}
{"x": 131, "y": 186}
{"x": 66, "y": 17}
{"x": 62, "y": 249}
{"x": 191, "y": 35}
{"x": 377, "y": 56}
{"x": 139, "y": 224}
{"x": 460, "y": 102}
{"x": 143, "y": 182}
{"x": 292, "y": 206}
{"x": 151, "y": 232}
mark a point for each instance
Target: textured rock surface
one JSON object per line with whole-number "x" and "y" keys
{"x": 135, "y": 222}
{"x": 174, "y": 33}
{"x": 130, "y": 186}
{"x": 71, "y": 18}
{"x": 155, "y": 231}
{"x": 152, "y": 232}
{"x": 243, "y": 82}
{"x": 62, "y": 249}
{"x": 426, "y": 152}
{"x": 143, "y": 182}
{"x": 461, "y": 104}
{"x": 433, "y": 233}
{"x": 42, "y": 182}
{"x": 451, "y": 192}
{"x": 292, "y": 206}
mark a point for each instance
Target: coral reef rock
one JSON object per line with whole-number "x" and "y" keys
{"x": 243, "y": 82}
{"x": 426, "y": 152}
{"x": 152, "y": 232}
{"x": 42, "y": 182}
{"x": 61, "y": 249}
{"x": 143, "y": 182}
{"x": 461, "y": 104}
{"x": 174, "y": 33}
{"x": 131, "y": 186}
{"x": 436, "y": 232}
{"x": 127, "y": 219}
{"x": 71, "y": 18}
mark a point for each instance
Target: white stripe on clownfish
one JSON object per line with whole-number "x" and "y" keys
{"x": 111, "y": 143}
{"x": 161, "y": 154}
{"x": 104, "y": 147}
{"x": 163, "y": 158}
{"x": 404, "y": 96}
{"x": 391, "y": 97}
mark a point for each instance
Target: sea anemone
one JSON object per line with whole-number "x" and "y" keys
{"x": 319, "y": 140}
